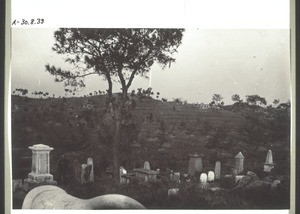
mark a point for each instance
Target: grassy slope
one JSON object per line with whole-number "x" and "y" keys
{"x": 74, "y": 125}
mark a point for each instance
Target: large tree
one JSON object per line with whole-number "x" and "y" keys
{"x": 117, "y": 55}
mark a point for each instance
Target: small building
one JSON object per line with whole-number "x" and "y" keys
{"x": 145, "y": 174}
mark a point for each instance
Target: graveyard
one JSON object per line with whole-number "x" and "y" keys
{"x": 173, "y": 155}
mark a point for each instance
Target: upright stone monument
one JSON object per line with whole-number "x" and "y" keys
{"x": 210, "y": 176}
{"x": 218, "y": 170}
{"x": 122, "y": 172}
{"x": 91, "y": 162}
{"x": 147, "y": 165}
{"x": 269, "y": 165}
{"x": 40, "y": 169}
{"x": 203, "y": 178}
{"x": 77, "y": 170}
{"x": 195, "y": 164}
{"x": 239, "y": 162}
{"x": 87, "y": 172}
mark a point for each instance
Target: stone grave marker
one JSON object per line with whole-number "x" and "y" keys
{"x": 87, "y": 172}
{"x": 147, "y": 165}
{"x": 203, "y": 178}
{"x": 210, "y": 176}
{"x": 269, "y": 165}
{"x": 239, "y": 162}
{"x": 91, "y": 162}
{"x": 238, "y": 177}
{"x": 40, "y": 170}
{"x": 195, "y": 164}
{"x": 122, "y": 172}
{"x": 77, "y": 170}
{"x": 176, "y": 176}
{"x": 218, "y": 170}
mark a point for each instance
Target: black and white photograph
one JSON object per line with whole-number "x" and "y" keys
{"x": 164, "y": 106}
{"x": 150, "y": 118}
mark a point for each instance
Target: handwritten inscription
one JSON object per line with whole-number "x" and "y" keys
{"x": 37, "y": 21}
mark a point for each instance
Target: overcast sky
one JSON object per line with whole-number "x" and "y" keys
{"x": 208, "y": 62}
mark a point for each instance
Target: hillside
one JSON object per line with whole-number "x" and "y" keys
{"x": 163, "y": 133}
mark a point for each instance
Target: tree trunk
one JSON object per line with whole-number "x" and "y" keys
{"x": 116, "y": 143}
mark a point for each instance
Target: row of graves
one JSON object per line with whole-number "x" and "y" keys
{"x": 84, "y": 173}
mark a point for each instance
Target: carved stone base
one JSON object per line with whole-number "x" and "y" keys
{"x": 30, "y": 183}
{"x": 40, "y": 177}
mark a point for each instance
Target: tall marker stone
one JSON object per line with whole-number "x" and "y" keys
{"x": 195, "y": 164}
{"x": 269, "y": 165}
{"x": 122, "y": 172}
{"x": 218, "y": 170}
{"x": 91, "y": 162}
{"x": 239, "y": 162}
{"x": 40, "y": 168}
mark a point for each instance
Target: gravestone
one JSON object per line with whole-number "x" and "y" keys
{"x": 176, "y": 176}
{"x": 145, "y": 174}
{"x": 238, "y": 177}
{"x": 269, "y": 165}
{"x": 239, "y": 162}
{"x": 275, "y": 184}
{"x": 91, "y": 162}
{"x": 40, "y": 169}
{"x": 122, "y": 172}
{"x": 77, "y": 170}
{"x": 147, "y": 165}
{"x": 195, "y": 164}
{"x": 210, "y": 176}
{"x": 218, "y": 170}
{"x": 203, "y": 178}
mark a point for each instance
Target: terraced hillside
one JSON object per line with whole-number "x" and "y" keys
{"x": 163, "y": 133}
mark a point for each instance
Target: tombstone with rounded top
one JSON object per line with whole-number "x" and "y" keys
{"x": 147, "y": 165}
{"x": 210, "y": 176}
{"x": 203, "y": 178}
{"x": 218, "y": 170}
{"x": 269, "y": 165}
{"x": 239, "y": 162}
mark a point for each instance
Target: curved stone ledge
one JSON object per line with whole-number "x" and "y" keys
{"x": 53, "y": 197}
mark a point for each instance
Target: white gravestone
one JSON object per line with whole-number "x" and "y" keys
{"x": 40, "y": 170}
{"x": 269, "y": 165}
{"x": 147, "y": 165}
{"x": 218, "y": 170}
{"x": 210, "y": 176}
{"x": 122, "y": 172}
{"x": 239, "y": 162}
{"x": 203, "y": 178}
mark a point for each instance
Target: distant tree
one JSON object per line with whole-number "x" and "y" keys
{"x": 164, "y": 100}
{"x": 117, "y": 55}
{"x": 236, "y": 98}
{"x": 276, "y": 102}
{"x": 216, "y": 101}
{"x": 255, "y": 100}
{"x": 157, "y": 95}
{"x": 178, "y": 101}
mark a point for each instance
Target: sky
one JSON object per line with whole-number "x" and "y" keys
{"x": 209, "y": 61}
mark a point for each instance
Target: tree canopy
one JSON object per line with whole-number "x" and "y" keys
{"x": 121, "y": 53}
